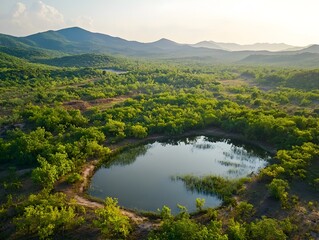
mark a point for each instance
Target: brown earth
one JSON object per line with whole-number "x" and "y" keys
{"x": 142, "y": 224}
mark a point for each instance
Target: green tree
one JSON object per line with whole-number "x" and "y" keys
{"x": 243, "y": 211}
{"x": 46, "y": 215}
{"x": 278, "y": 189}
{"x": 183, "y": 228}
{"x": 266, "y": 229}
{"x": 111, "y": 222}
{"x": 236, "y": 231}
{"x": 115, "y": 129}
{"x": 47, "y": 174}
{"x": 139, "y": 131}
{"x": 200, "y": 202}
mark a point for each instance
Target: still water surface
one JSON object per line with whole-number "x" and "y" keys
{"x": 114, "y": 70}
{"x": 141, "y": 177}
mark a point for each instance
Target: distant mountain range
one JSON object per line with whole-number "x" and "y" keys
{"x": 273, "y": 47}
{"x": 71, "y": 41}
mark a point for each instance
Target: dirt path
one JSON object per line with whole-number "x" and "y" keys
{"x": 132, "y": 215}
{"x": 88, "y": 169}
{"x": 81, "y": 200}
{"x": 87, "y": 203}
{"x": 87, "y": 172}
{"x": 143, "y": 224}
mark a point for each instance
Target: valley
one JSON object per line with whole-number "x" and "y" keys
{"x": 77, "y": 114}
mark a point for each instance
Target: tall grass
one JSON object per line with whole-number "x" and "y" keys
{"x": 213, "y": 185}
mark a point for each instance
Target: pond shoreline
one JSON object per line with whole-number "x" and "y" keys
{"x": 210, "y": 131}
{"x": 88, "y": 169}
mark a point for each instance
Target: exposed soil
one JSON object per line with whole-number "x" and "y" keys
{"x": 300, "y": 213}
{"x": 76, "y": 104}
{"x": 256, "y": 192}
{"x": 86, "y": 174}
{"x": 142, "y": 224}
{"x": 102, "y": 103}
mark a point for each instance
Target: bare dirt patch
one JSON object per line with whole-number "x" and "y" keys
{"x": 102, "y": 103}
{"x": 105, "y": 103}
{"x": 142, "y": 224}
{"x": 76, "y": 104}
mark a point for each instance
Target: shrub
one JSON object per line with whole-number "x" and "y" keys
{"x": 200, "y": 202}
{"x": 244, "y": 211}
{"x": 74, "y": 177}
{"x": 266, "y": 229}
{"x": 46, "y": 215}
{"x": 212, "y": 213}
{"x": 110, "y": 220}
{"x": 278, "y": 188}
{"x": 47, "y": 174}
{"x": 166, "y": 213}
{"x": 183, "y": 228}
{"x": 139, "y": 131}
{"x": 236, "y": 231}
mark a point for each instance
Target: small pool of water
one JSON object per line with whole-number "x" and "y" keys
{"x": 142, "y": 177}
{"x": 114, "y": 70}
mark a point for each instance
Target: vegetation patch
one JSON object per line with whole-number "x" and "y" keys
{"x": 55, "y": 119}
{"x": 222, "y": 187}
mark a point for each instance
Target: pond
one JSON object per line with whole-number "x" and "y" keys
{"x": 113, "y": 70}
{"x": 142, "y": 177}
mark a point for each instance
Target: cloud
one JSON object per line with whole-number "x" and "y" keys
{"x": 82, "y": 21}
{"x": 19, "y": 10}
{"x": 46, "y": 13}
{"x": 26, "y": 19}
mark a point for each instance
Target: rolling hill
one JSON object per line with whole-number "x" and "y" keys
{"x": 273, "y": 47}
{"x": 305, "y": 59}
{"x": 311, "y": 49}
{"x": 77, "y": 41}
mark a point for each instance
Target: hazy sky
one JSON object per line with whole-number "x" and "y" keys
{"x": 186, "y": 21}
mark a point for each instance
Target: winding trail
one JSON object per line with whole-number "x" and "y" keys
{"x": 142, "y": 224}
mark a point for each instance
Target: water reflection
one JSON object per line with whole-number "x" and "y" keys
{"x": 141, "y": 177}
{"x": 128, "y": 157}
{"x": 113, "y": 70}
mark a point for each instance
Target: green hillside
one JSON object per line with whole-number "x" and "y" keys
{"x": 76, "y": 41}
{"x": 305, "y": 59}
{"x": 8, "y": 61}
{"x": 60, "y": 123}
{"x": 87, "y": 60}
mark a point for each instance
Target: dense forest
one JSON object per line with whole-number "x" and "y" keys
{"x": 61, "y": 114}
